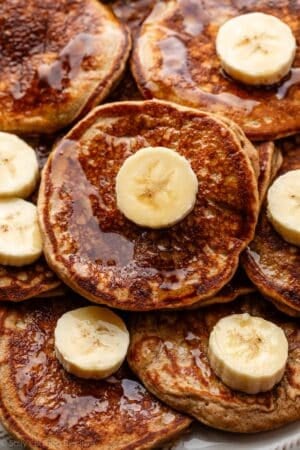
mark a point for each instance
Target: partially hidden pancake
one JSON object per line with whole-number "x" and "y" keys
{"x": 168, "y": 352}
{"x": 46, "y": 408}
{"x": 21, "y": 283}
{"x": 58, "y": 60}
{"x": 271, "y": 263}
{"x": 37, "y": 279}
{"x": 108, "y": 259}
{"x": 270, "y": 161}
{"x": 174, "y": 59}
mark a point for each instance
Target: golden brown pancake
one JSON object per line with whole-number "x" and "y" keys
{"x": 107, "y": 258}
{"x": 168, "y": 352}
{"x": 271, "y": 263}
{"x": 58, "y": 60}
{"x": 21, "y": 283}
{"x": 270, "y": 160}
{"x": 46, "y": 408}
{"x": 239, "y": 285}
{"x": 175, "y": 59}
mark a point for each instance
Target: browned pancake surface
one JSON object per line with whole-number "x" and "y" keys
{"x": 49, "y": 409}
{"x": 20, "y": 283}
{"x": 107, "y": 258}
{"x": 169, "y": 354}
{"x": 175, "y": 59}
{"x": 271, "y": 263}
{"x": 58, "y": 59}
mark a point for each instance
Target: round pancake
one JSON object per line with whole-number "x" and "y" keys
{"x": 58, "y": 60}
{"x": 168, "y": 352}
{"x": 175, "y": 59}
{"x": 107, "y": 258}
{"x": 271, "y": 263}
{"x": 21, "y": 283}
{"x": 46, "y": 408}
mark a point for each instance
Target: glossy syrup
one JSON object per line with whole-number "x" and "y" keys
{"x": 69, "y": 62}
{"x": 174, "y": 55}
{"x": 178, "y": 60}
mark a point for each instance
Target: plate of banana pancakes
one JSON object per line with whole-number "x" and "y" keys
{"x": 149, "y": 224}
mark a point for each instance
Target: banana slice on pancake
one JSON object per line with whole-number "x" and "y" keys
{"x": 248, "y": 353}
{"x": 284, "y": 206}
{"x": 256, "y": 48}
{"x": 156, "y": 187}
{"x": 20, "y": 237}
{"x": 19, "y": 169}
{"x": 91, "y": 342}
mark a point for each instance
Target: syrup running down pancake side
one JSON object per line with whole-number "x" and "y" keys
{"x": 175, "y": 59}
{"x": 107, "y": 258}
{"x": 47, "y": 408}
{"x": 271, "y": 263}
{"x": 169, "y": 353}
{"x": 58, "y": 60}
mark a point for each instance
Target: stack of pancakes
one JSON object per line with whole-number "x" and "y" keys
{"x": 61, "y": 59}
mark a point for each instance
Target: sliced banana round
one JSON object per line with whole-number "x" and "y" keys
{"x": 156, "y": 187}
{"x": 19, "y": 169}
{"x": 91, "y": 342}
{"x": 284, "y": 206}
{"x": 256, "y": 48}
{"x": 20, "y": 236}
{"x": 248, "y": 353}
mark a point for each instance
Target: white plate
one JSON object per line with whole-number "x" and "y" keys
{"x": 201, "y": 437}
{"x": 287, "y": 438}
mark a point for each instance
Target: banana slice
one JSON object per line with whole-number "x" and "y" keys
{"x": 256, "y": 48}
{"x": 20, "y": 236}
{"x": 91, "y": 342}
{"x": 248, "y": 353}
{"x": 19, "y": 169}
{"x": 156, "y": 187}
{"x": 284, "y": 206}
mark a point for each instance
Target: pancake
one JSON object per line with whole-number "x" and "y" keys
{"x": 58, "y": 60}
{"x": 271, "y": 263}
{"x": 46, "y": 408}
{"x": 270, "y": 161}
{"x": 239, "y": 285}
{"x": 168, "y": 352}
{"x": 21, "y": 283}
{"x": 108, "y": 259}
{"x": 187, "y": 29}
